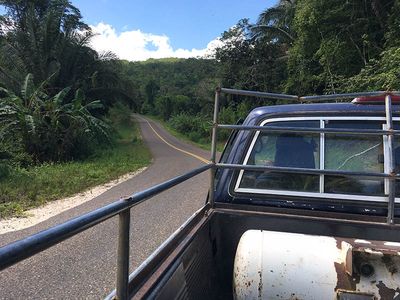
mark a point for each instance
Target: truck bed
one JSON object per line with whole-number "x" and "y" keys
{"x": 200, "y": 264}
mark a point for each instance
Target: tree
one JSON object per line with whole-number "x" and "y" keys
{"x": 40, "y": 32}
{"x": 334, "y": 40}
{"x": 248, "y": 63}
{"x": 48, "y": 39}
{"x": 275, "y": 24}
{"x": 380, "y": 74}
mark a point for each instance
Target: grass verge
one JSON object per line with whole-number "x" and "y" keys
{"x": 27, "y": 188}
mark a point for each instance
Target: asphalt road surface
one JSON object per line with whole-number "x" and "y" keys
{"x": 84, "y": 267}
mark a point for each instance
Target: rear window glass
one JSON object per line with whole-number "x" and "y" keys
{"x": 359, "y": 153}
{"x": 284, "y": 150}
{"x": 340, "y": 152}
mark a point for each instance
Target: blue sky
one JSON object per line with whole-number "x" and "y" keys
{"x": 156, "y": 28}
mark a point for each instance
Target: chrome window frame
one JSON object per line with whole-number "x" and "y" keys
{"x": 319, "y": 194}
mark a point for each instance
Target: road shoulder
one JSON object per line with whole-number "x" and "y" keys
{"x": 42, "y": 213}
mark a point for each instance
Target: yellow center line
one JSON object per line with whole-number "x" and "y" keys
{"x": 176, "y": 148}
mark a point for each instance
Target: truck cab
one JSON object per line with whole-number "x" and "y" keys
{"x": 310, "y": 150}
{"x": 304, "y": 206}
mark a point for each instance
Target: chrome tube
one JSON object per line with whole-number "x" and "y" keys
{"x": 214, "y": 146}
{"x": 311, "y": 130}
{"x": 259, "y": 94}
{"x": 391, "y": 160}
{"x": 342, "y": 96}
{"x": 123, "y": 255}
{"x": 304, "y": 170}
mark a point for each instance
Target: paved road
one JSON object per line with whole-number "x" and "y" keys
{"x": 84, "y": 266}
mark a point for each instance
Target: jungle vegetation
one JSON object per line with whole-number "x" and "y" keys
{"x": 64, "y": 108}
{"x": 298, "y": 47}
{"x": 60, "y": 99}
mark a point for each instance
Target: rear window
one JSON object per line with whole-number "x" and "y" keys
{"x": 343, "y": 152}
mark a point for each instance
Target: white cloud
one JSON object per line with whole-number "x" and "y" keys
{"x": 137, "y": 45}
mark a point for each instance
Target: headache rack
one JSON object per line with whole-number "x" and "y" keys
{"x": 387, "y": 96}
{"x": 27, "y": 247}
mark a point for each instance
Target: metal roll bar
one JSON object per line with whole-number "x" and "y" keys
{"x": 307, "y": 171}
{"x": 311, "y": 130}
{"x": 389, "y": 175}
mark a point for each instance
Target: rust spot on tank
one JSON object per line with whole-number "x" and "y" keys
{"x": 389, "y": 263}
{"x": 339, "y": 243}
{"x": 260, "y": 286}
{"x": 387, "y": 293}
{"x": 294, "y": 297}
{"x": 247, "y": 283}
{"x": 344, "y": 280}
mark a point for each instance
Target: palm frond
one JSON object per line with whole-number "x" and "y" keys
{"x": 60, "y": 96}
{"x": 270, "y": 15}
{"x": 271, "y": 32}
{"x": 28, "y": 87}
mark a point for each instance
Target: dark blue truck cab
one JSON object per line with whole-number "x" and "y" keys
{"x": 324, "y": 151}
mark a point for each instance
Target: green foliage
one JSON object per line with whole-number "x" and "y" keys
{"x": 250, "y": 63}
{"x": 314, "y": 47}
{"x": 276, "y": 23}
{"x": 181, "y": 81}
{"x": 382, "y": 74}
{"x": 334, "y": 40}
{"x": 49, "y": 40}
{"x": 29, "y": 187}
{"x": 197, "y": 128}
{"x": 48, "y": 128}
{"x": 120, "y": 114}
{"x": 5, "y": 166}
{"x": 51, "y": 81}
{"x": 163, "y": 107}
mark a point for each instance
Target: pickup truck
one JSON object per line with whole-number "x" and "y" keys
{"x": 303, "y": 204}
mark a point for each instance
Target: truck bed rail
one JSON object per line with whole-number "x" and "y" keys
{"x": 27, "y": 247}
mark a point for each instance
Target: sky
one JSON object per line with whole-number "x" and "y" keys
{"x": 141, "y": 29}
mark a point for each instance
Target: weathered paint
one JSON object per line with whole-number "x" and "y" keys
{"x": 276, "y": 265}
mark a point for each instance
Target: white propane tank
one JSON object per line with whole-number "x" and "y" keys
{"x": 276, "y": 265}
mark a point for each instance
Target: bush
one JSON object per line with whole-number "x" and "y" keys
{"x": 164, "y": 106}
{"x": 120, "y": 114}
{"x": 382, "y": 74}
{"x": 50, "y": 128}
{"x": 196, "y": 127}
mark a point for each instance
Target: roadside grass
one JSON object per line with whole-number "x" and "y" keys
{"x": 27, "y": 188}
{"x": 181, "y": 136}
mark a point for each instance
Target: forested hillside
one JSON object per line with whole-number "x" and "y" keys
{"x": 298, "y": 47}
{"x": 311, "y": 46}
